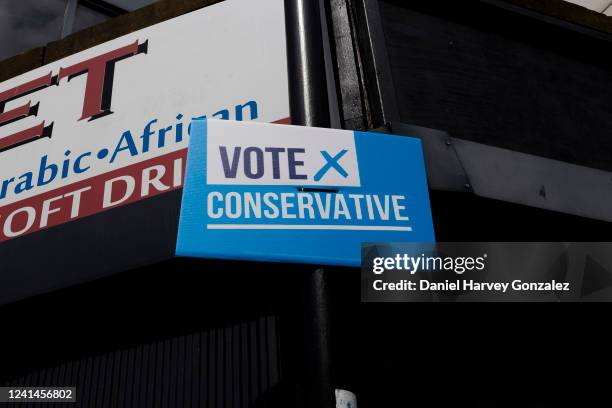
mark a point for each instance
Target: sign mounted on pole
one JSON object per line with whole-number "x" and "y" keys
{"x": 298, "y": 194}
{"x": 109, "y": 125}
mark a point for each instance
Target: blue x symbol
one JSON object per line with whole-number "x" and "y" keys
{"x": 332, "y": 162}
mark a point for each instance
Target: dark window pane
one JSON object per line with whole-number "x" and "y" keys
{"x": 27, "y": 24}
{"x": 86, "y": 17}
{"x": 131, "y": 5}
{"x": 91, "y": 12}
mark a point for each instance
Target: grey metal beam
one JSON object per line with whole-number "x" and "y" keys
{"x": 383, "y": 78}
{"x": 487, "y": 171}
{"x": 69, "y": 17}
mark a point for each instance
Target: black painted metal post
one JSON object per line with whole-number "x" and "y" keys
{"x": 306, "y": 63}
{"x": 318, "y": 383}
{"x": 309, "y": 107}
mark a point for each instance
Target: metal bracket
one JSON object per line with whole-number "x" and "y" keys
{"x": 444, "y": 168}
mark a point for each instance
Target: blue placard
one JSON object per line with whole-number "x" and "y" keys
{"x": 282, "y": 193}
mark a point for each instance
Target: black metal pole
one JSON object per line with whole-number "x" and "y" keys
{"x": 309, "y": 107}
{"x": 306, "y": 63}
{"x": 318, "y": 383}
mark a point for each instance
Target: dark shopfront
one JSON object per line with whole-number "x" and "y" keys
{"x": 518, "y": 81}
